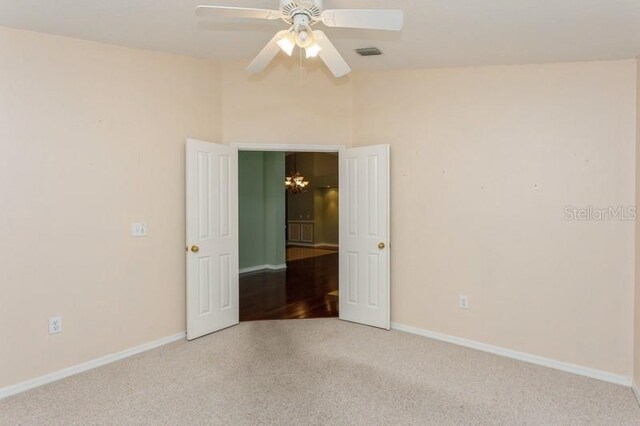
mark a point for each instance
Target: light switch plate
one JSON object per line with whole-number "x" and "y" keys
{"x": 139, "y": 230}
{"x": 464, "y": 302}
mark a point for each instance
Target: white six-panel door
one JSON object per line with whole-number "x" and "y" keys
{"x": 212, "y": 237}
{"x": 364, "y": 236}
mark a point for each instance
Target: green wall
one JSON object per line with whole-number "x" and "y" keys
{"x": 261, "y": 205}
{"x": 275, "y": 194}
{"x": 251, "y": 208}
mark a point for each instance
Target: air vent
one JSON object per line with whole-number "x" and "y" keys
{"x": 369, "y": 51}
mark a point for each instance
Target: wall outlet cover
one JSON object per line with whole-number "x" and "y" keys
{"x": 139, "y": 230}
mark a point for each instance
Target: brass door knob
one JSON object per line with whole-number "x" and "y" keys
{"x": 195, "y": 249}
{"x": 381, "y": 246}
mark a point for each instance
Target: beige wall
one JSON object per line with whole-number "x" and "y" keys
{"x": 484, "y": 160}
{"x": 285, "y": 105}
{"x": 91, "y": 140}
{"x": 636, "y": 370}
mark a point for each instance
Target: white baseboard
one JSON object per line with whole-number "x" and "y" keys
{"x": 636, "y": 391}
{"x": 89, "y": 365}
{"x": 329, "y": 245}
{"x": 263, "y": 268}
{"x": 521, "y": 356}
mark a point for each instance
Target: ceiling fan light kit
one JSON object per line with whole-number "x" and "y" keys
{"x": 301, "y": 16}
{"x": 287, "y": 44}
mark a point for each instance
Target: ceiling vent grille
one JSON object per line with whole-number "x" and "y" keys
{"x": 369, "y": 51}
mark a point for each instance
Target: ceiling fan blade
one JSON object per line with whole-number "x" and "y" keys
{"x": 236, "y": 12}
{"x": 267, "y": 54}
{"x": 382, "y": 19}
{"x": 330, "y": 55}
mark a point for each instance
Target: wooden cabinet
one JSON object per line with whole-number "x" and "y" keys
{"x": 300, "y": 231}
{"x": 294, "y": 232}
{"x": 307, "y": 232}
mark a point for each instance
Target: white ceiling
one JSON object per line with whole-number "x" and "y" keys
{"x": 437, "y": 33}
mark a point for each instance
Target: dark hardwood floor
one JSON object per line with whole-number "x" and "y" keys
{"x": 301, "y": 291}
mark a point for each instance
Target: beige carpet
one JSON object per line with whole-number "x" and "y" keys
{"x": 321, "y": 372}
{"x": 299, "y": 253}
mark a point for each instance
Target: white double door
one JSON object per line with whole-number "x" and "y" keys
{"x": 212, "y": 237}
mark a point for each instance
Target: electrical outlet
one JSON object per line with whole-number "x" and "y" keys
{"x": 139, "y": 230}
{"x": 55, "y": 325}
{"x": 464, "y": 302}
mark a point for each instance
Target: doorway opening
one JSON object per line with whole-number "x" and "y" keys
{"x": 212, "y": 222}
{"x": 288, "y": 229}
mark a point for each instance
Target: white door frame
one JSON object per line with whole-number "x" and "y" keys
{"x": 288, "y": 147}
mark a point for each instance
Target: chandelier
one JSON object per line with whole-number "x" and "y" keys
{"x": 295, "y": 182}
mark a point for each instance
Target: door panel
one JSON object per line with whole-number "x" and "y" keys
{"x": 212, "y": 237}
{"x": 364, "y": 236}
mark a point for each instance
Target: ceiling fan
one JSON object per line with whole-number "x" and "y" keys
{"x": 301, "y": 16}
